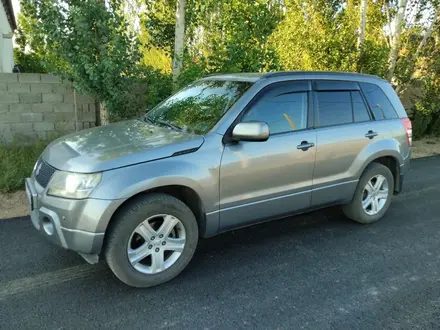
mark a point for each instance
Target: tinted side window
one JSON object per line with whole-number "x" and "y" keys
{"x": 360, "y": 111}
{"x": 334, "y": 108}
{"x": 378, "y": 102}
{"x": 282, "y": 109}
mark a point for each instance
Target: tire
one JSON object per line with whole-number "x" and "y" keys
{"x": 355, "y": 209}
{"x": 130, "y": 219}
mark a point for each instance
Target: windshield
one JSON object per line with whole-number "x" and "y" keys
{"x": 199, "y": 106}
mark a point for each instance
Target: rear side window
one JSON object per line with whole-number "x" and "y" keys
{"x": 378, "y": 102}
{"x": 360, "y": 111}
{"x": 334, "y": 108}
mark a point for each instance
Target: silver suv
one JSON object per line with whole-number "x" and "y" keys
{"x": 225, "y": 152}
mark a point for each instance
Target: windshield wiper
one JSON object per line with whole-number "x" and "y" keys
{"x": 147, "y": 119}
{"x": 165, "y": 123}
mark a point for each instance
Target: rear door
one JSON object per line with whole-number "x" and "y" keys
{"x": 344, "y": 127}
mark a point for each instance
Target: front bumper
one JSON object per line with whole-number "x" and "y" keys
{"x": 77, "y": 225}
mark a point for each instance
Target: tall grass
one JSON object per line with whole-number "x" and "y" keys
{"x": 16, "y": 164}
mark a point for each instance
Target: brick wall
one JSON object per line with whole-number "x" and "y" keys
{"x": 35, "y": 105}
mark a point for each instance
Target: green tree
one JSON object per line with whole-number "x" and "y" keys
{"x": 153, "y": 56}
{"x": 31, "y": 52}
{"x": 327, "y": 35}
{"x": 159, "y": 21}
{"x": 417, "y": 47}
{"x": 317, "y": 35}
{"x": 395, "y": 44}
{"x": 220, "y": 36}
{"x": 232, "y": 35}
{"x": 424, "y": 71}
{"x": 100, "y": 47}
{"x": 89, "y": 43}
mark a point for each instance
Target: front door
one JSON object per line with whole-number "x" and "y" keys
{"x": 260, "y": 180}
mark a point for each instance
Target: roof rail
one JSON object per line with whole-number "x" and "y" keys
{"x": 212, "y": 74}
{"x": 290, "y": 73}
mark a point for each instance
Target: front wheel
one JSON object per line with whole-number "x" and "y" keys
{"x": 373, "y": 195}
{"x": 151, "y": 240}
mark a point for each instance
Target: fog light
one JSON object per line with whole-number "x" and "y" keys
{"x": 48, "y": 226}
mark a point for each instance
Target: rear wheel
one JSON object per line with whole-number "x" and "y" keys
{"x": 373, "y": 195}
{"x": 152, "y": 240}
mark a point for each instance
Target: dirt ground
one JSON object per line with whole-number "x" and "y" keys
{"x": 426, "y": 147}
{"x": 13, "y": 205}
{"x": 16, "y": 204}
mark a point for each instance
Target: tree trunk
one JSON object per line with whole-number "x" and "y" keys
{"x": 102, "y": 114}
{"x": 389, "y": 37}
{"x": 362, "y": 24}
{"x": 421, "y": 45}
{"x": 396, "y": 40}
{"x": 179, "y": 40}
{"x": 426, "y": 35}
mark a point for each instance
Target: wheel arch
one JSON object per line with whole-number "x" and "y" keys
{"x": 390, "y": 161}
{"x": 393, "y": 165}
{"x": 183, "y": 193}
{"x": 386, "y": 152}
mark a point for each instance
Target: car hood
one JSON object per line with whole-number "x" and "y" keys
{"x": 117, "y": 145}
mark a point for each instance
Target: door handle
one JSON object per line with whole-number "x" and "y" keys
{"x": 371, "y": 134}
{"x": 304, "y": 146}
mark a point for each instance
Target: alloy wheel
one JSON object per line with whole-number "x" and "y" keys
{"x": 375, "y": 195}
{"x": 156, "y": 244}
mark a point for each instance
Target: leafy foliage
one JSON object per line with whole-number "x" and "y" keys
{"x": 232, "y": 35}
{"x": 17, "y": 161}
{"x": 30, "y": 63}
{"x": 221, "y": 36}
{"x": 159, "y": 21}
{"x": 91, "y": 43}
{"x": 88, "y": 42}
{"x": 159, "y": 85}
{"x": 31, "y": 52}
{"x": 427, "y": 108}
{"x": 323, "y": 36}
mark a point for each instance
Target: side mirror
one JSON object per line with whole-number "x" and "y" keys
{"x": 251, "y": 131}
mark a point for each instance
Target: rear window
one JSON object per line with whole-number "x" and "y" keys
{"x": 378, "y": 102}
{"x": 334, "y": 108}
{"x": 360, "y": 112}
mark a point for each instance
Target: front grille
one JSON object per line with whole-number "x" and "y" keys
{"x": 43, "y": 173}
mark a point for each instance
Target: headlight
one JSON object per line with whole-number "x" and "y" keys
{"x": 73, "y": 185}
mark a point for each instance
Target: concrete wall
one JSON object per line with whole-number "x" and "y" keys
{"x": 36, "y": 105}
{"x": 6, "y": 50}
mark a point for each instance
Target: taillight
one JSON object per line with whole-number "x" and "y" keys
{"x": 408, "y": 128}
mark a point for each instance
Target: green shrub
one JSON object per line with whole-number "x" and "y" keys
{"x": 159, "y": 85}
{"x": 16, "y": 164}
{"x": 426, "y": 112}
